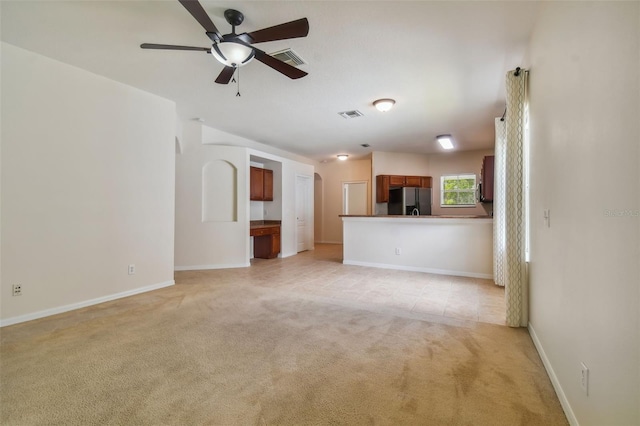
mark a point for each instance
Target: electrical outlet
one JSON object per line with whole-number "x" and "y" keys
{"x": 584, "y": 378}
{"x": 132, "y": 269}
{"x": 17, "y": 290}
{"x": 398, "y": 251}
{"x": 547, "y": 217}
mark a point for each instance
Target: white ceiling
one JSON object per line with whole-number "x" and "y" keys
{"x": 443, "y": 62}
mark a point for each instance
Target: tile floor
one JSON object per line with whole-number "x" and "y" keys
{"x": 320, "y": 273}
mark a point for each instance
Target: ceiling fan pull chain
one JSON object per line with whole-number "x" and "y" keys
{"x": 238, "y": 71}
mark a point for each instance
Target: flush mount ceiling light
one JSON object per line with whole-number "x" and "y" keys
{"x": 445, "y": 141}
{"x": 232, "y": 54}
{"x": 384, "y": 105}
{"x": 342, "y": 157}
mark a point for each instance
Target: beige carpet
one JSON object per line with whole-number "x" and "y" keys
{"x": 240, "y": 347}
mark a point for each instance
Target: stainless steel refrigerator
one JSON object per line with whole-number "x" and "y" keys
{"x": 410, "y": 201}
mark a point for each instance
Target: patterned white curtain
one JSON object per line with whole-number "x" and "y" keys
{"x": 510, "y": 268}
{"x": 499, "y": 250}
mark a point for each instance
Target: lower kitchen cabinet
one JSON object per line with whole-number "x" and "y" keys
{"x": 266, "y": 241}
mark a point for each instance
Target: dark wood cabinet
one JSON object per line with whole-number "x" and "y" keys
{"x": 261, "y": 184}
{"x": 386, "y": 182}
{"x": 266, "y": 241}
{"x": 396, "y": 181}
{"x": 412, "y": 181}
{"x": 268, "y": 185}
{"x": 382, "y": 189}
{"x": 486, "y": 179}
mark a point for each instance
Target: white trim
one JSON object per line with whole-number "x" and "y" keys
{"x": 418, "y": 269}
{"x": 84, "y": 304}
{"x": 204, "y": 267}
{"x": 329, "y": 242}
{"x": 571, "y": 417}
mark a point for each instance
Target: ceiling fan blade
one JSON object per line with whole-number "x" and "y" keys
{"x": 173, "y": 47}
{"x": 286, "y": 69}
{"x": 293, "y": 29}
{"x": 197, "y": 11}
{"x": 225, "y": 75}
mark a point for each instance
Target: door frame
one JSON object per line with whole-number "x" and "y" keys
{"x": 308, "y": 209}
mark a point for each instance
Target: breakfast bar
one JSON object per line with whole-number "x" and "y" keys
{"x": 450, "y": 245}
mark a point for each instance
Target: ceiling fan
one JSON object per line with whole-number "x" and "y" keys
{"x": 235, "y": 50}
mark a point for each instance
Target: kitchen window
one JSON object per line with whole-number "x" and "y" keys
{"x": 458, "y": 190}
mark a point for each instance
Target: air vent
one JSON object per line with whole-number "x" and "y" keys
{"x": 288, "y": 56}
{"x": 351, "y": 114}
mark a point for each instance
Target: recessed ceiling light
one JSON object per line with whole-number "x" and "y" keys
{"x": 342, "y": 157}
{"x": 445, "y": 141}
{"x": 384, "y": 105}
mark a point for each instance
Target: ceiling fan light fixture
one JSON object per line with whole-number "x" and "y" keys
{"x": 445, "y": 141}
{"x": 384, "y": 105}
{"x": 232, "y": 54}
{"x": 342, "y": 157}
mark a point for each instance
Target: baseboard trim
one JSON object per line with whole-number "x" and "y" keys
{"x": 83, "y": 304}
{"x": 328, "y": 242}
{"x": 203, "y": 267}
{"x": 418, "y": 269}
{"x": 571, "y": 417}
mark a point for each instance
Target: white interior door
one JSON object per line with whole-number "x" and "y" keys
{"x": 354, "y": 198}
{"x": 304, "y": 219}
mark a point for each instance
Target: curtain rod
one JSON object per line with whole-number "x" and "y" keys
{"x": 517, "y": 73}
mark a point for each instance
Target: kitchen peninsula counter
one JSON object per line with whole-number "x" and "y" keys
{"x": 451, "y": 245}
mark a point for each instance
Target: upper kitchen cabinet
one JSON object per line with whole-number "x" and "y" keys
{"x": 261, "y": 184}
{"x": 486, "y": 179}
{"x": 386, "y": 182}
{"x": 382, "y": 189}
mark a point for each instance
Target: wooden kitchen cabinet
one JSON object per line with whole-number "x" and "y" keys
{"x": 382, "y": 189}
{"x": 266, "y": 241}
{"x": 396, "y": 181}
{"x": 412, "y": 181}
{"x": 268, "y": 184}
{"x": 386, "y": 182}
{"x": 261, "y": 184}
{"x": 486, "y": 179}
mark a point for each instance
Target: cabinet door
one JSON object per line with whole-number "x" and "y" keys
{"x": 425, "y": 182}
{"x": 256, "y": 185}
{"x": 396, "y": 181}
{"x": 275, "y": 245}
{"x": 412, "y": 181}
{"x": 268, "y": 184}
{"x": 486, "y": 192}
{"x": 382, "y": 189}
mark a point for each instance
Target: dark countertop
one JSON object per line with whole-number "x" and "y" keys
{"x": 255, "y": 224}
{"x": 420, "y": 217}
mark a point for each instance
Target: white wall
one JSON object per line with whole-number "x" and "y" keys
{"x": 584, "y": 285}
{"x": 333, "y": 175}
{"x": 460, "y": 247}
{"x": 454, "y": 163}
{"x": 210, "y": 245}
{"x": 434, "y": 165}
{"x": 87, "y": 187}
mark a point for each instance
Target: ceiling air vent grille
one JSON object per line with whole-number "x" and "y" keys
{"x": 288, "y": 56}
{"x": 351, "y": 114}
